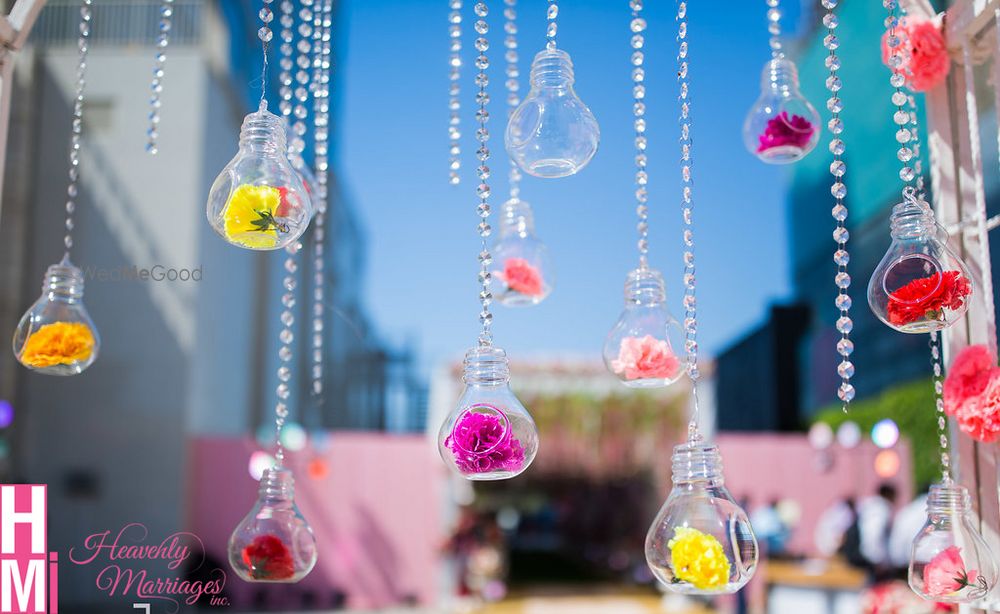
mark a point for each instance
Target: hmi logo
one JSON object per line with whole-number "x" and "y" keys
{"x": 25, "y": 587}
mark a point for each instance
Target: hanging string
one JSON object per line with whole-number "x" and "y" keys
{"x": 512, "y": 84}
{"x": 551, "y": 28}
{"x": 687, "y": 207}
{"x": 942, "y": 421}
{"x": 901, "y": 117}
{"x": 774, "y": 28}
{"x": 483, "y": 190}
{"x": 162, "y": 40}
{"x": 265, "y": 35}
{"x": 454, "y": 88}
{"x": 638, "y": 41}
{"x": 72, "y": 190}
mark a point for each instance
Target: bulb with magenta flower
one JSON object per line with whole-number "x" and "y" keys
{"x": 920, "y": 285}
{"x": 258, "y": 201}
{"x": 782, "y": 126}
{"x": 273, "y": 543}
{"x": 950, "y": 561}
{"x": 489, "y": 435}
{"x": 522, "y": 261}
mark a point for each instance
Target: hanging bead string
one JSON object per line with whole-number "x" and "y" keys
{"x": 942, "y": 422}
{"x": 454, "y": 103}
{"x": 638, "y": 25}
{"x": 285, "y": 63}
{"x": 513, "y": 85}
{"x": 162, "y": 40}
{"x": 841, "y": 257}
{"x": 83, "y": 46}
{"x": 774, "y": 28}
{"x": 286, "y": 337}
{"x": 321, "y": 108}
{"x": 901, "y": 117}
{"x": 687, "y": 206}
{"x": 483, "y": 190}
{"x": 265, "y": 35}
{"x": 552, "y": 27}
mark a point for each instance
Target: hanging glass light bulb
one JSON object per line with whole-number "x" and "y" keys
{"x": 782, "y": 126}
{"x": 920, "y": 285}
{"x": 273, "y": 543}
{"x": 701, "y": 541}
{"x": 552, "y": 133}
{"x": 56, "y": 335}
{"x": 524, "y": 267}
{"x": 489, "y": 435}
{"x": 950, "y": 561}
{"x": 258, "y": 201}
{"x": 640, "y": 347}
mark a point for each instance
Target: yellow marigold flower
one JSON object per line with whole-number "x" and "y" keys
{"x": 59, "y": 343}
{"x": 249, "y": 216}
{"x": 698, "y": 558}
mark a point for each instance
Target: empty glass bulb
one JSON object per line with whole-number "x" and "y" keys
{"x": 950, "y": 561}
{"x": 489, "y": 435}
{"x": 273, "y": 543}
{"x": 258, "y": 200}
{"x": 920, "y": 285}
{"x": 782, "y": 126}
{"x": 552, "y": 133}
{"x": 522, "y": 261}
{"x": 56, "y": 335}
{"x": 701, "y": 541}
{"x": 640, "y": 347}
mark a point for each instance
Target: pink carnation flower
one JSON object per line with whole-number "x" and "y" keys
{"x": 645, "y": 358}
{"x": 483, "y": 443}
{"x": 782, "y": 130}
{"x": 520, "y": 276}
{"x": 924, "y": 53}
{"x": 979, "y": 416}
{"x": 968, "y": 377}
{"x": 945, "y": 574}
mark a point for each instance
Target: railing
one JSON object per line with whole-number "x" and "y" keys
{"x": 118, "y": 23}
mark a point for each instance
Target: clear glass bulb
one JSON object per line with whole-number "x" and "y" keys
{"x": 56, "y": 335}
{"x": 782, "y": 126}
{"x": 258, "y": 201}
{"x": 701, "y": 542}
{"x": 489, "y": 435}
{"x": 273, "y": 543}
{"x": 950, "y": 561}
{"x": 640, "y": 347}
{"x": 920, "y": 285}
{"x": 552, "y": 133}
{"x": 521, "y": 260}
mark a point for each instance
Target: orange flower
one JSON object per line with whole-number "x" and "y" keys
{"x": 59, "y": 343}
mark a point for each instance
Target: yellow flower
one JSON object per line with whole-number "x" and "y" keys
{"x": 59, "y": 343}
{"x": 698, "y": 558}
{"x": 249, "y": 216}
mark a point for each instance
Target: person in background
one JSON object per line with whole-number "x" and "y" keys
{"x": 874, "y": 524}
{"x": 772, "y": 533}
{"x": 905, "y": 526}
{"x": 832, "y": 526}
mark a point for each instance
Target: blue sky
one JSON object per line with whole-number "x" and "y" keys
{"x": 393, "y": 151}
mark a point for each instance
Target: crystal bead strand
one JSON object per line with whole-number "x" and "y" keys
{"x": 321, "y": 108}
{"x": 901, "y": 117}
{"x": 942, "y": 422}
{"x": 841, "y": 257}
{"x": 454, "y": 103}
{"x": 285, "y": 63}
{"x": 265, "y": 35}
{"x": 162, "y": 40}
{"x": 83, "y": 47}
{"x": 638, "y": 41}
{"x": 551, "y": 28}
{"x": 774, "y": 28}
{"x": 513, "y": 85}
{"x": 687, "y": 206}
{"x": 483, "y": 189}
{"x": 286, "y": 337}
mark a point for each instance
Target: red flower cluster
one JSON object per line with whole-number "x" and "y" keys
{"x": 919, "y": 300}
{"x": 924, "y": 52}
{"x": 269, "y": 558}
{"x": 783, "y": 130}
{"x": 972, "y": 393}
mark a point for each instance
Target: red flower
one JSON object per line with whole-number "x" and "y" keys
{"x": 923, "y": 51}
{"x": 284, "y": 207}
{"x": 782, "y": 130}
{"x": 269, "y": 558}
{"x": 521, "y": 277}
{"x": 926, "y": 297}
{"x": 946, "y": 574}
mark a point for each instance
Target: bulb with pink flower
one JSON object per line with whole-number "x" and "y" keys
{"x": 950, "y": 561}
{"x": 782, "y": 126}
{"x": 521, "y": 263}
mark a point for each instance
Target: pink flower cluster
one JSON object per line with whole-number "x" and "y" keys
{"x": 946, "y": 574}
{"x": 924, "y": 53}
{"x": 483, "y": 443}
{"x": 782, "y": 130}
{"x": 521, "y": 277}
{"x": 972, "y": 393}
{"x": 645, "y": 358}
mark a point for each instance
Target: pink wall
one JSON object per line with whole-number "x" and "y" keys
{"x": 777, "y": 466}
{"x": 377, "y": 514}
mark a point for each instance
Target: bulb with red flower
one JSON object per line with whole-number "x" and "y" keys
{"x": 928, "y": 298}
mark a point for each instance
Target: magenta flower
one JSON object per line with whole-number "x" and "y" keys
{"x": 483, "y": 443}
{"x": 785, "y": 131}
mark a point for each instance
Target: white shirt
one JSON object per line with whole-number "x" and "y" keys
{"x": 874, "y": 518}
